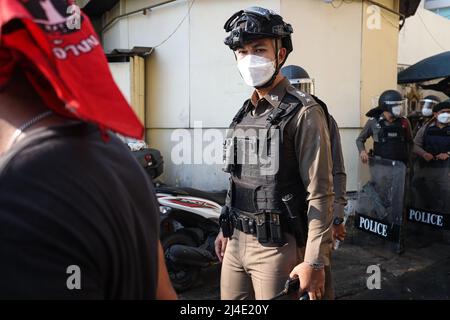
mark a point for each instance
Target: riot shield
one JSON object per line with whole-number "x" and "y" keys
{"x": 379, "y": 210}
{"x": 429, "y": 198}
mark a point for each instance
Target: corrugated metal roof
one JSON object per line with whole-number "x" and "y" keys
{"x": 121, "y": 55}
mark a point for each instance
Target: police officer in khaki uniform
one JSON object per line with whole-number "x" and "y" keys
{"x": 432, "y": 141}
{"x": 391, "y": 132}
{"x": 282, "y": 199}
{"x": 430, "y": 185}
{"x": 300, "y": 79}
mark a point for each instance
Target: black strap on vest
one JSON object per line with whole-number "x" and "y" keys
{"x": 240, "y": 115}
{"x": 283, "y": 110}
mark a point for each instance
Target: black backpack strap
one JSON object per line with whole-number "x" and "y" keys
{"x": 324, "y": 107}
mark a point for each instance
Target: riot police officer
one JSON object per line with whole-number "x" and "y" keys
{"x": 430, "y": 186}
{"x": 425, "y": 113}
{"x": 432, "y": 141}
{"x": 390, "y": 131}
{"x": 283, "y": 200}
{"x": 299, "y": 78}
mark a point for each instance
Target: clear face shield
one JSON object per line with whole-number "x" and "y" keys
{"x": 304, "y": 85}
{"x": 426, "y": 107}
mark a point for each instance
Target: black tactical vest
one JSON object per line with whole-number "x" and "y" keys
{"x": 392, "y": 142}
{"x": 437, "y": 140}
{"x": 265, "y": 167}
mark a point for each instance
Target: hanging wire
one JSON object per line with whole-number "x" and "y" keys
{"x": 429, "y": 32}
{"x": 178, "y": 26}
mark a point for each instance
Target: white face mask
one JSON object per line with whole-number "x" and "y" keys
{"x": 256, "y": 70}
{"x": 444, "y": 118}
{"x": 396, "y": 111}
{"x": 427, "y": 112}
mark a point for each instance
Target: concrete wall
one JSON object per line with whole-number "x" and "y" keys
{"x": 195, "y": 67}
{"x": 116, "y": 36}
{"x": 379, "y": 56}
{"x": 327, "y": 43}
{"x": 193, "y": 77}
{"x": 122, "y": 76}
{"x": 417, "y": 42}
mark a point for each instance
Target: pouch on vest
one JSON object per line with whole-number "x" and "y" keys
{"x": 298, "y": 223}
{"x": 261, "y": 228}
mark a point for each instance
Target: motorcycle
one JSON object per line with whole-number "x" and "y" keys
{"x": 189, "y": 221}
{"x": 189, "y": 227}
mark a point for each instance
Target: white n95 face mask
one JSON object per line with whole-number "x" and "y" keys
{"x": 256, "y": 70}
{"x": 397, "y": 111}
{"x": 427, "y": 112}
{"x": 444, "y": 118}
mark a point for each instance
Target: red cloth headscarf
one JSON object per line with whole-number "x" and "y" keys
{"x": 65, "y": 64}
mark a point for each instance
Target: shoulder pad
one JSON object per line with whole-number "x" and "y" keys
{"x": 305, "y": 98}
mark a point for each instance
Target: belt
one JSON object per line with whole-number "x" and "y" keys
{"x": 248, "y": 225}
{"x": 245, "y": 224}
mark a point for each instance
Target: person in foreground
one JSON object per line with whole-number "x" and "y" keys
{"x": 78, "y": 215}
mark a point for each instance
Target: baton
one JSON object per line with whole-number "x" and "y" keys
{"x": 291, "y": 286}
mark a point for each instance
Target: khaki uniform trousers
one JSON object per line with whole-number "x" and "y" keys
{"x": 253, "y": 271}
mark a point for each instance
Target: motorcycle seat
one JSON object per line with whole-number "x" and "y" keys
{"x": 218, "y": 197}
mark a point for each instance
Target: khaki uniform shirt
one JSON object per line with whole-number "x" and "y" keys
{"x": 309, "y": 133}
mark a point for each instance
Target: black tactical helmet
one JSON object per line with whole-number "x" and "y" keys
{"x": 432, "y": 98}
{"x": 299, "y": 78}
{"x": 257, "y": 23}
{"x": 442, "y": 105}
{"x": 389, "y": 99}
